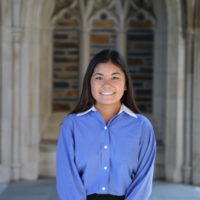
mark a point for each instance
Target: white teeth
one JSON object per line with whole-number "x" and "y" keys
{"x": 107, "y": 93}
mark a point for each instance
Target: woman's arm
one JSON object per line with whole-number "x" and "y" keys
{"x": 141, "y": 187}
{"x": 69, "y": 184}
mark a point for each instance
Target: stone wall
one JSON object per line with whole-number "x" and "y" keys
{"x": 140, "y": 61}
{"x": 103, "y": 35}
{"x": 65, "y": 65}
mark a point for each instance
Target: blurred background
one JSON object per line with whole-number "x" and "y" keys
{"x": 45, "y": 47}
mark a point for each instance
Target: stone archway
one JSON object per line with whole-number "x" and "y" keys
{"x": 51, "y": 120}
{"x": 22, "y": 28}
{"x": 169, "y": 91}
{"x": 26, "y": 90}
{"x": 176, "y": 94}
{"x": 182, "y": 151}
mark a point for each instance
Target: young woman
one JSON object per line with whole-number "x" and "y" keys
{"x": 106, "y": 149}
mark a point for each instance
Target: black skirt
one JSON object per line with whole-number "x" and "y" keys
{"x": 104, "y": 197}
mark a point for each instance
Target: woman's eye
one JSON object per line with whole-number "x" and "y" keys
{"x": 98, "y": 78}
{"x": 115, "y": 77}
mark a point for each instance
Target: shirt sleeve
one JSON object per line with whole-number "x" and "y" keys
{"x": 69, "y": 183}
{"x": 141, "y": 186}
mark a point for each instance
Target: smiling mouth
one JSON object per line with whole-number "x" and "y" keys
{"x": 107, "y": 93}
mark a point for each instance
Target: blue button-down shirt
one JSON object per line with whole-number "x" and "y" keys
{"x": 115, "y": 158}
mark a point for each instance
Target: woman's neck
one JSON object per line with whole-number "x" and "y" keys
{"x": 108, "y": 111}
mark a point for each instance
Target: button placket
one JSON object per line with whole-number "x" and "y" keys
{"x": 105, "y": 147}
{"x": 105, "y": 160}
{"x": 105, "y": 167}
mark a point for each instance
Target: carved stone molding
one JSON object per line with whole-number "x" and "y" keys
{"x": 66, "y": 10}
{"x": 60, "y": 4}
{"x": 146, "y": 5}
{"x": 141, "y": 10}
{"x": 119, "y": 10}
{"x": 104, "y": 6}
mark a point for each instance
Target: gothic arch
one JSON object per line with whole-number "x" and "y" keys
{"x": 84, "y": 57}
{"x": 28, "y": 49}
{"x": 182, "y": 150}
{"x": 169, "y": 97}
{"x": 36, "y": 26}
{"x": 20, "y": 103}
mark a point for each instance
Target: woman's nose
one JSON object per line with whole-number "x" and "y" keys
{"x": 106, "y": 82}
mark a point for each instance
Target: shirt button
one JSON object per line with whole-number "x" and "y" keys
{"x": 103, "y": 188}
{"x": 105, "y": 167}
{"x": 105, "y": 147}
{"x": 105, "y": 127}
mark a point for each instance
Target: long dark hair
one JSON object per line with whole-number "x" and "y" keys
{"x": 86, "y": 99}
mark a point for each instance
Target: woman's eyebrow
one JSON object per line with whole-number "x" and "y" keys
{"x": 97, "y": 74}
{"x": 100, "y": 74}
{"x": 116, "y": 73}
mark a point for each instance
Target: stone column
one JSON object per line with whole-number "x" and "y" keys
{"x": 29, "y": 90}
{"x": 85, "y": 9}
{"x": 17, "y": 36}
{"x": 16, "y": 163}
{"x": 6, "y": 111}
{"x": 175, "y": 94}
{"x": 189, "y": 18}
{"x": 196, "y": 101}
{"x": 121, "y": 42}
{"x": 84, "y": 54}
{"x": 122, "y": 12}
{"x": 187, "y": 167}
{"x": 159, "y": 83}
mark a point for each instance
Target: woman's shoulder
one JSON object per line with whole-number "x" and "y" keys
{"x": 144, "y": 120}
{"x": 146, "y": 127}
{"x": 68, "y": 119}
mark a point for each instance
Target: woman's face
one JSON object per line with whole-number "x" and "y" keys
{"x": 107, "y": 84}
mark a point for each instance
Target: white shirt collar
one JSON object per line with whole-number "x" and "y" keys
{"x": 87, "y": 111}
{"x": 122, "y": 109}
{"x": 127, "y": 111}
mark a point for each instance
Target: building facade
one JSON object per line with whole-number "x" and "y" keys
{"x": 46, "y": 46}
